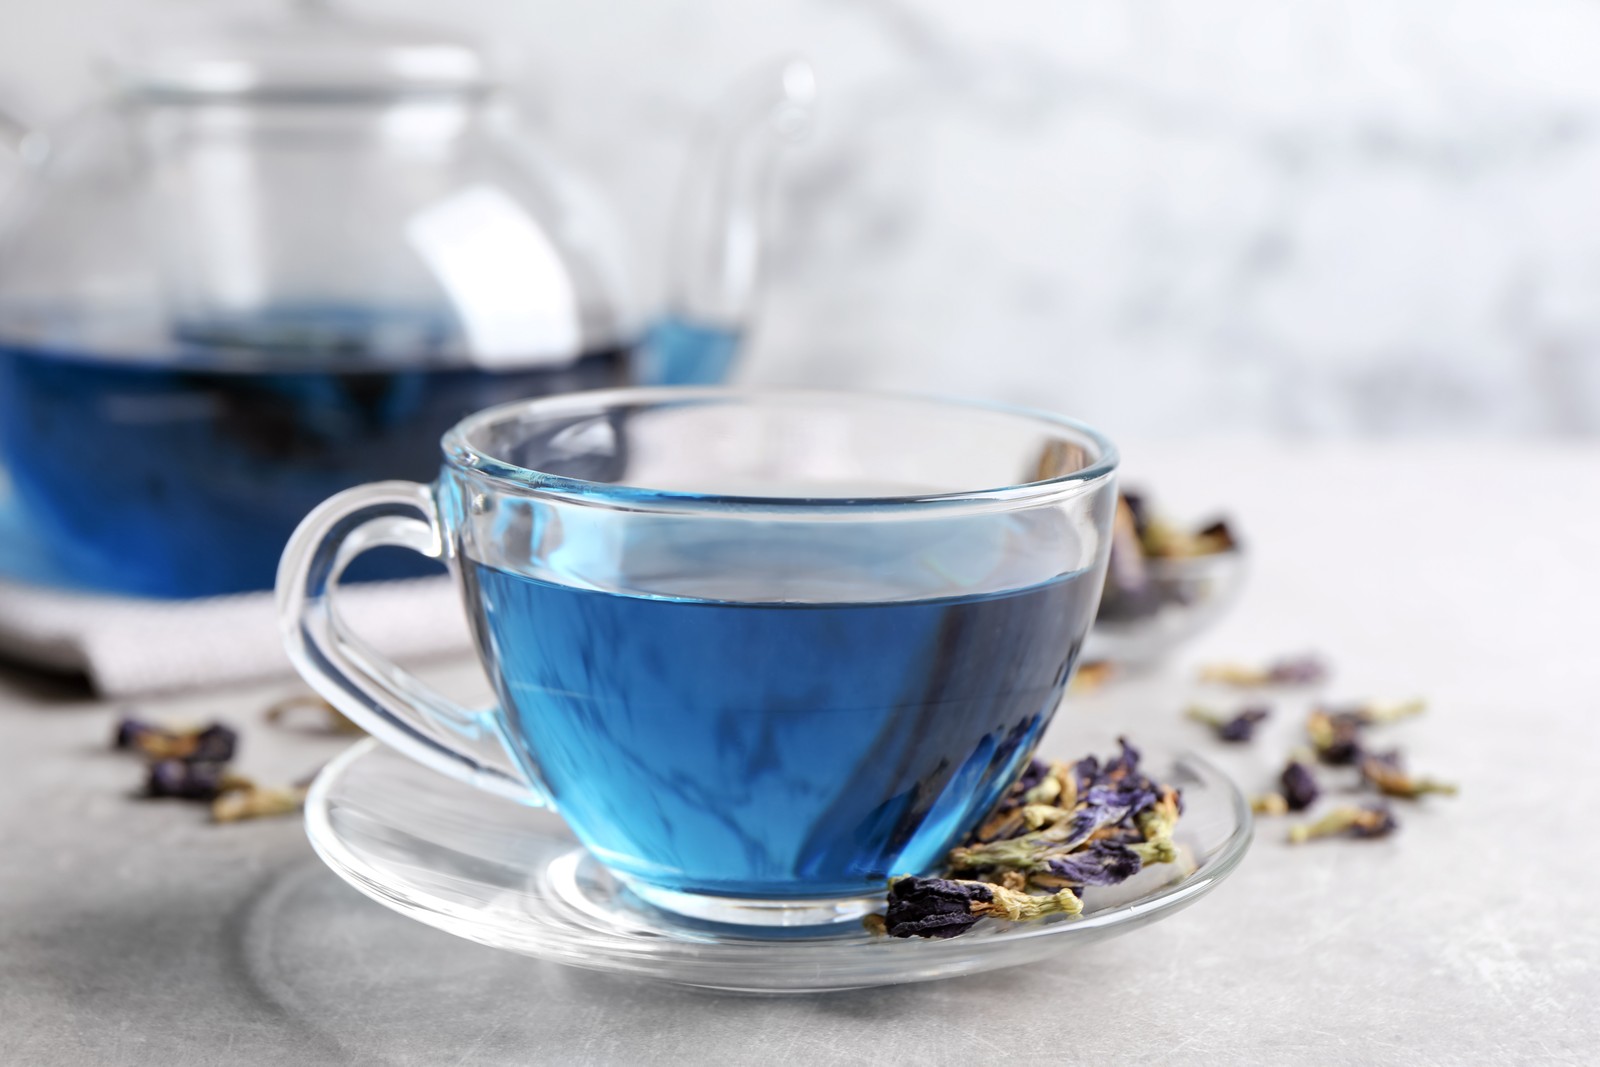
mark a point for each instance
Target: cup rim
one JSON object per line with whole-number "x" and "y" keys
{"x": 460, "y": 453}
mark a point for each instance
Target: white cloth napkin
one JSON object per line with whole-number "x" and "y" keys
{"x": 128, "y": 646}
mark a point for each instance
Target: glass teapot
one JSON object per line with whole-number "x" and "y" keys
{"x": 288, "y": 255}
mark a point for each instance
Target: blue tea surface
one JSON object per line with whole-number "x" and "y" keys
{"x": 775, "y": 749}
{"x": 187, "y": 480}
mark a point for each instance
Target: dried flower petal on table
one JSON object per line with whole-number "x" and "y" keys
{"x": 1335, "y": 736}
{"x": 191, "y": 779}
{"x": 212, "y": 743}
{"x": 1375, "y": 820}
{"x": 1236, "y": 728}
{"x": 334, "y": 720}
{"x": 1383, "y": 712}
{"x": 1304, "y": 669}
{"x": 1269, "y": 804}
{"x": 1386, "y": 772}
{"x": 258, "y": 802}
{"x": 1336, "y": 733}
{"x": 1091, "y": 676}
{"x": 1299, "y": 786}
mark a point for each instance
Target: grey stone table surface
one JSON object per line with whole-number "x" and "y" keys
{"x": 137, "y": 933}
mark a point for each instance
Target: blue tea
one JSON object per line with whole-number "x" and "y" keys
{"x": 184, "y": 475}
{"x": 745, "y": 749}
{"x": 171, "y": 481}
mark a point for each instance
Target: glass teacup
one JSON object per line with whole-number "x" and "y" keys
{"x": 761, "y": 649}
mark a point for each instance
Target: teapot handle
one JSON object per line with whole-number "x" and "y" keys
{"x": 718, "y": 241}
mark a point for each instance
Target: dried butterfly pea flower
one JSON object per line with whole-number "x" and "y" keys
{"x": 1373, "y": 820}
{"x": 1269, "y": 804}
{"x": 1160, "y": 819}
{"x": 1335, "y": 736}
{"x": 257, "y": 802}
{"x": 1091, "y": 676}
{"x": 191, "y": 779}
{"x": 1060, "y": 827}
{"x": 1102, "y": 863}
{"x": 214, "y": 743}
{"x": 1382, "y": 712}
{"x": 1299, "y": 786}
{"x": 945, "y": 907}
{"x": 1290, "y": 670}
{"x": 334, "y": 720}
{"x": 1138, "y": 511}
{"x": 1336, "y": 733}
{"x": 1130, "y": 589}
{"x": 1236, "y": 728}
{"x": 1217, "y": 537}
{"x": 1386, "y": 772}
{"x": 1298, "y": 670}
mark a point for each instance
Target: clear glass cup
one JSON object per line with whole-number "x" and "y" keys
{"x": 761, "y": 649}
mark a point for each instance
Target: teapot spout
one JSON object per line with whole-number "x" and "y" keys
{"x": 714, "y": 270}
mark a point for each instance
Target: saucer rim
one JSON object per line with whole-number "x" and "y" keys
{"x": 699, "y": 961}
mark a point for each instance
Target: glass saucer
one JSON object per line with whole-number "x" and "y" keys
{"x": 495, "y": 872}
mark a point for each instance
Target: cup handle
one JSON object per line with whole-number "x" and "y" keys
{"x": 389, "y": 703}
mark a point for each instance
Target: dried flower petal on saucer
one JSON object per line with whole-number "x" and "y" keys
{"x": 945, "y": 907}
{"x": 1217, "y": 537}
{"x": 1058, "y": 458}
{"x": 1130, "y": 590}
{"x": 191, "y": 779}
{"x": 1374, "y": 820}
{"x": 1386, "y": 772}
{"x": 1237, "y": 728}
{"x": 1059, "y": 828}
{"x": 1290, "y": 670}
{"x": 1299, "y": 786}
{"x": 1102, "y": 863}
{"x": 258, "y": 802}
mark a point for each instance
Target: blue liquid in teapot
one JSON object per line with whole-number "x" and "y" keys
{"x": 186, "y": 477}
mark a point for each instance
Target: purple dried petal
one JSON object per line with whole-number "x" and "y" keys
{"x": 1125, "y": 762}
{"x": 1106, "y": 805}
{"x": 1102, "y": 863}
{"x": 1138, "y": 510}
{"x": 1300, "y": 788}
{"x": 185, "y": 779}
{"x": 129, "y": 730}
{"x": 1336, "y": 735}
{"x": 1377, "y": 821}
{"x": 1242, "y": 727}
{"x": 933, "y": 907}
{"x": 1298, "y": 670}
{"x": 1032, "y": 775}
{"x": 215, "y": 744}
{"x": 1392, "y": 760}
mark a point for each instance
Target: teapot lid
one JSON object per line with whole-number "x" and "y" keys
{"x": 309, "y": 53}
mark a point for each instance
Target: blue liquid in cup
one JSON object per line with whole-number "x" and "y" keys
{"x": 775, "y": 749}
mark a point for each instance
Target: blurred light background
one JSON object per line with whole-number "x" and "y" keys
{"x": 1240, "y": 217}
